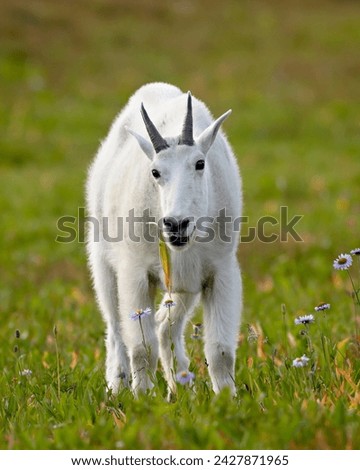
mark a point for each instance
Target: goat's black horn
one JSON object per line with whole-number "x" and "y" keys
{"x": 187, "y": 131}
{"x": 159, "y": 143}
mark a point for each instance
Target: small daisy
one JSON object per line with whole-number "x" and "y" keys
{"x": 26, "y": 372}
{"x": 304, "y": 320}
{"x": 252, "y": 334}
{"x": 185, "y": 377}
{"x": 195, "y": 336}
{"x": 139, "y": 313}
{"x": 301, "y": 361}
{"x": 196, "y": 331}
{"x": 322, "y": 306}
{"x": 169, "y": 303}
{"x": 355, "y": 252}
{"x": 344, "y": 261}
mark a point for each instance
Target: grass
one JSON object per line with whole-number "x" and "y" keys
{"x": 289, "y": 71}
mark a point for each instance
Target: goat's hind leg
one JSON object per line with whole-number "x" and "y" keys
{"x": 117, "y": 361}
{"x": 172, "y": 321}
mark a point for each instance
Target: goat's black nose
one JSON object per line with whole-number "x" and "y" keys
{"x": 168, "y": 222}
{"x": 184, "y": 223}
{"x": 176, "y": 225}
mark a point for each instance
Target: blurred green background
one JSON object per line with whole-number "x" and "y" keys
{"x": 289, "y": 70}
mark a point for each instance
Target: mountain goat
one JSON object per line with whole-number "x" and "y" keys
{"x": 182, "y": 182}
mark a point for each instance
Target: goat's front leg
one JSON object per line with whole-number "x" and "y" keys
{"x": 222, "y": 311}
{"x": 139, "y": 330}
{"x": 117, "y": 361}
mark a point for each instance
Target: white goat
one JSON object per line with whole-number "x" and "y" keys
{"x": 178, "y": 181}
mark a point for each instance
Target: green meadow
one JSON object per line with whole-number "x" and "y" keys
{"x": 290, "y": 72}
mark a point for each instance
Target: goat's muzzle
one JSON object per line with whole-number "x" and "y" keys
{"x": 176, "y": 231}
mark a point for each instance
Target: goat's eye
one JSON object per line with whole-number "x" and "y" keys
{"x": 156, "y": 174}
{"x": 200, "y": 165}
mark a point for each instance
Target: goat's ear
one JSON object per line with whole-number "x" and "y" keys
{"x": 207, "y": 137}
{"x": 145, "y": 145}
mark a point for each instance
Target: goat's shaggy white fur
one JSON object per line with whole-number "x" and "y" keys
{"x": 126, "y": 273}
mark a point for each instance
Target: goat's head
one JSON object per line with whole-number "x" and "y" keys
{"x": 178, "y": 165}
